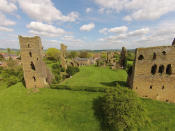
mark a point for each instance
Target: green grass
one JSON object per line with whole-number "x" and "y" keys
{"x": 95, "y": 77}
{"x": 64, "y": 110}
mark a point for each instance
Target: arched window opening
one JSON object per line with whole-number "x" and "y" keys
{"x": 28, "y": 45}
{"x": 140, "y": 57}
{"x": 151, "y": 87}
{"x": 169, "y": 69}
{"x": 32, "y": 66}
{"x": 161, "y": 69}
{"x": 153, "y": 69}
{"x": 30, "y": 54}
{"x": 164, "y": 52}
{"x": 34, "y": 78}
{"x": 154, "y": 56}
{"x": 163, "y": 87}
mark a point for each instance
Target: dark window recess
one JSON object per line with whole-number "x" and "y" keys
{"x": 153, "y": 69}
{"x": 164, "y": 52}
{"x": 37, "y": 58}
{"x": 163, "y": 87}
{"x": 34, "y": 78}
{"x": 140, "y": 57}
{"x": 169, "y": 69}
{"x": 151, "y": 87}
{"x": 30, "y": 53}
{"x": 32, "y": 66}
{"x": 28, "y": 45}
{"x": 161, "y": 69}
{"x": 154, "y": 56}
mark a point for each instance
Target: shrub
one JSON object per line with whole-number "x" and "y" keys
{"x": 72, "y": 70}
{"x": 123, "y": 110}
{"x": 56, "y": 69}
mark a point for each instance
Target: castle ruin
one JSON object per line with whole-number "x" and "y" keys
{"x": 153, "y": 73}
{"x": 36, "y": 74}
{"x": 63, "y": 56}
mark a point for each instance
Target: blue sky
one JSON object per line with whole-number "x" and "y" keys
{"x": 88, "y": 24}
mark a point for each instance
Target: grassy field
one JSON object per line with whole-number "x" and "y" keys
{"x": 64, "y": 110}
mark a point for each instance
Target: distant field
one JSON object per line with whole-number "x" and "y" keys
{"x": 64, "y": 110}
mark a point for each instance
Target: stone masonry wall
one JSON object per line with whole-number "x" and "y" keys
{"x": 35, "y": 72}
{"x": 153, "y": 73}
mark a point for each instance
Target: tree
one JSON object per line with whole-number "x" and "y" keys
{"x": 84, "y": 54}
{"x": 72, "y": 70}
{"x": 53, "y": 54}
{"x": 8, "y": 51}
{"x": 123, "y": 59}
{"x": 1, "y": 57}
{"x": 122, "y": 109}
{"x": 73, "y": 54}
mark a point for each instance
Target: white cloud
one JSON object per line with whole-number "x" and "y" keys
{"x": 88, "y": 10}
{"x": 39, "y": 28}
{"x": 7, "y": 6}
{"x": 103, "y": 31}
{"x": 5, "y": 29}
{"x": 4, "y": 21}
{"x": 120, "y": 29}
{"x": 139, "y": 32}
{"x": 87, "y": 27}
{"x": 44, "y": 10}
{"x": 140, "y": 9}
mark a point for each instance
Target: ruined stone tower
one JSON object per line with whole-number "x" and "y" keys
{"x": 153, "y": 73}
{"x": 63, "y": 56}
{"x": 36, "y": 74}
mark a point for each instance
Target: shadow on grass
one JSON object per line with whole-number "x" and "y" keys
{"x": 98, "y": 112}
{"x": 114, "y": 83}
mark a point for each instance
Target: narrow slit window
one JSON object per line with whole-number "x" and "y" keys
{"x": 32, "y": 66}
{"x": 154, "y": 56}
{"x": 34, "y": 78}
{"x": 151, "y": 87}
{"x": 30, "y": 54}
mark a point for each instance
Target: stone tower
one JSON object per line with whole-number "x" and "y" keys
{"x": 153, "y": 73}
{"x": 63, "y": 56}
{"x": 35, "y": 70}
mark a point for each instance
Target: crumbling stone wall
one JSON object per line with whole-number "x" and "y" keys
{"x": 36, "y": 74}
{"x": 153, "y": 73}
{"x": 63, "y": 56}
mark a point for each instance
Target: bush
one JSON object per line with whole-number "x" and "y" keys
{"x": 123, "y": 110}
{"x": 56, "y": 69}
{"x": 72, "y": 70}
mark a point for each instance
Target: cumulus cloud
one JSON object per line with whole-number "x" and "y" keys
{"x": 139, "y": 32}
{"x": 140, "y": 9}
{"x": 87, "y": 27}
{"x": 39, "y": 28}
{"x": 88, "y": 10}
{"x": 7, "y": 6}
{"x": 103, "y": 31}
{"x": 119, "y": 30}
{"x": 6, "y": 29}
{"x": 4, "y": 21}
{"x": 45, "y": 11}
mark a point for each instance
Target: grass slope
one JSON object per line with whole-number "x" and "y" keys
{"x": 63, "y": 110}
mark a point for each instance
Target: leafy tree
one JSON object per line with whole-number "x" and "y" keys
{"x": 104, "y": 55}
{"x": 1, "y": 57}
{"x": 84, "y": 54}
{"x": 73, "y": 54}
{"x": 130, "y": 56}
{"x": 123, "y": 110}
{"x": 56, "y": 69}
{"x": 72, "y": 70}
{"x": 53, "y": 54}
{"x": 123, "y": 59}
